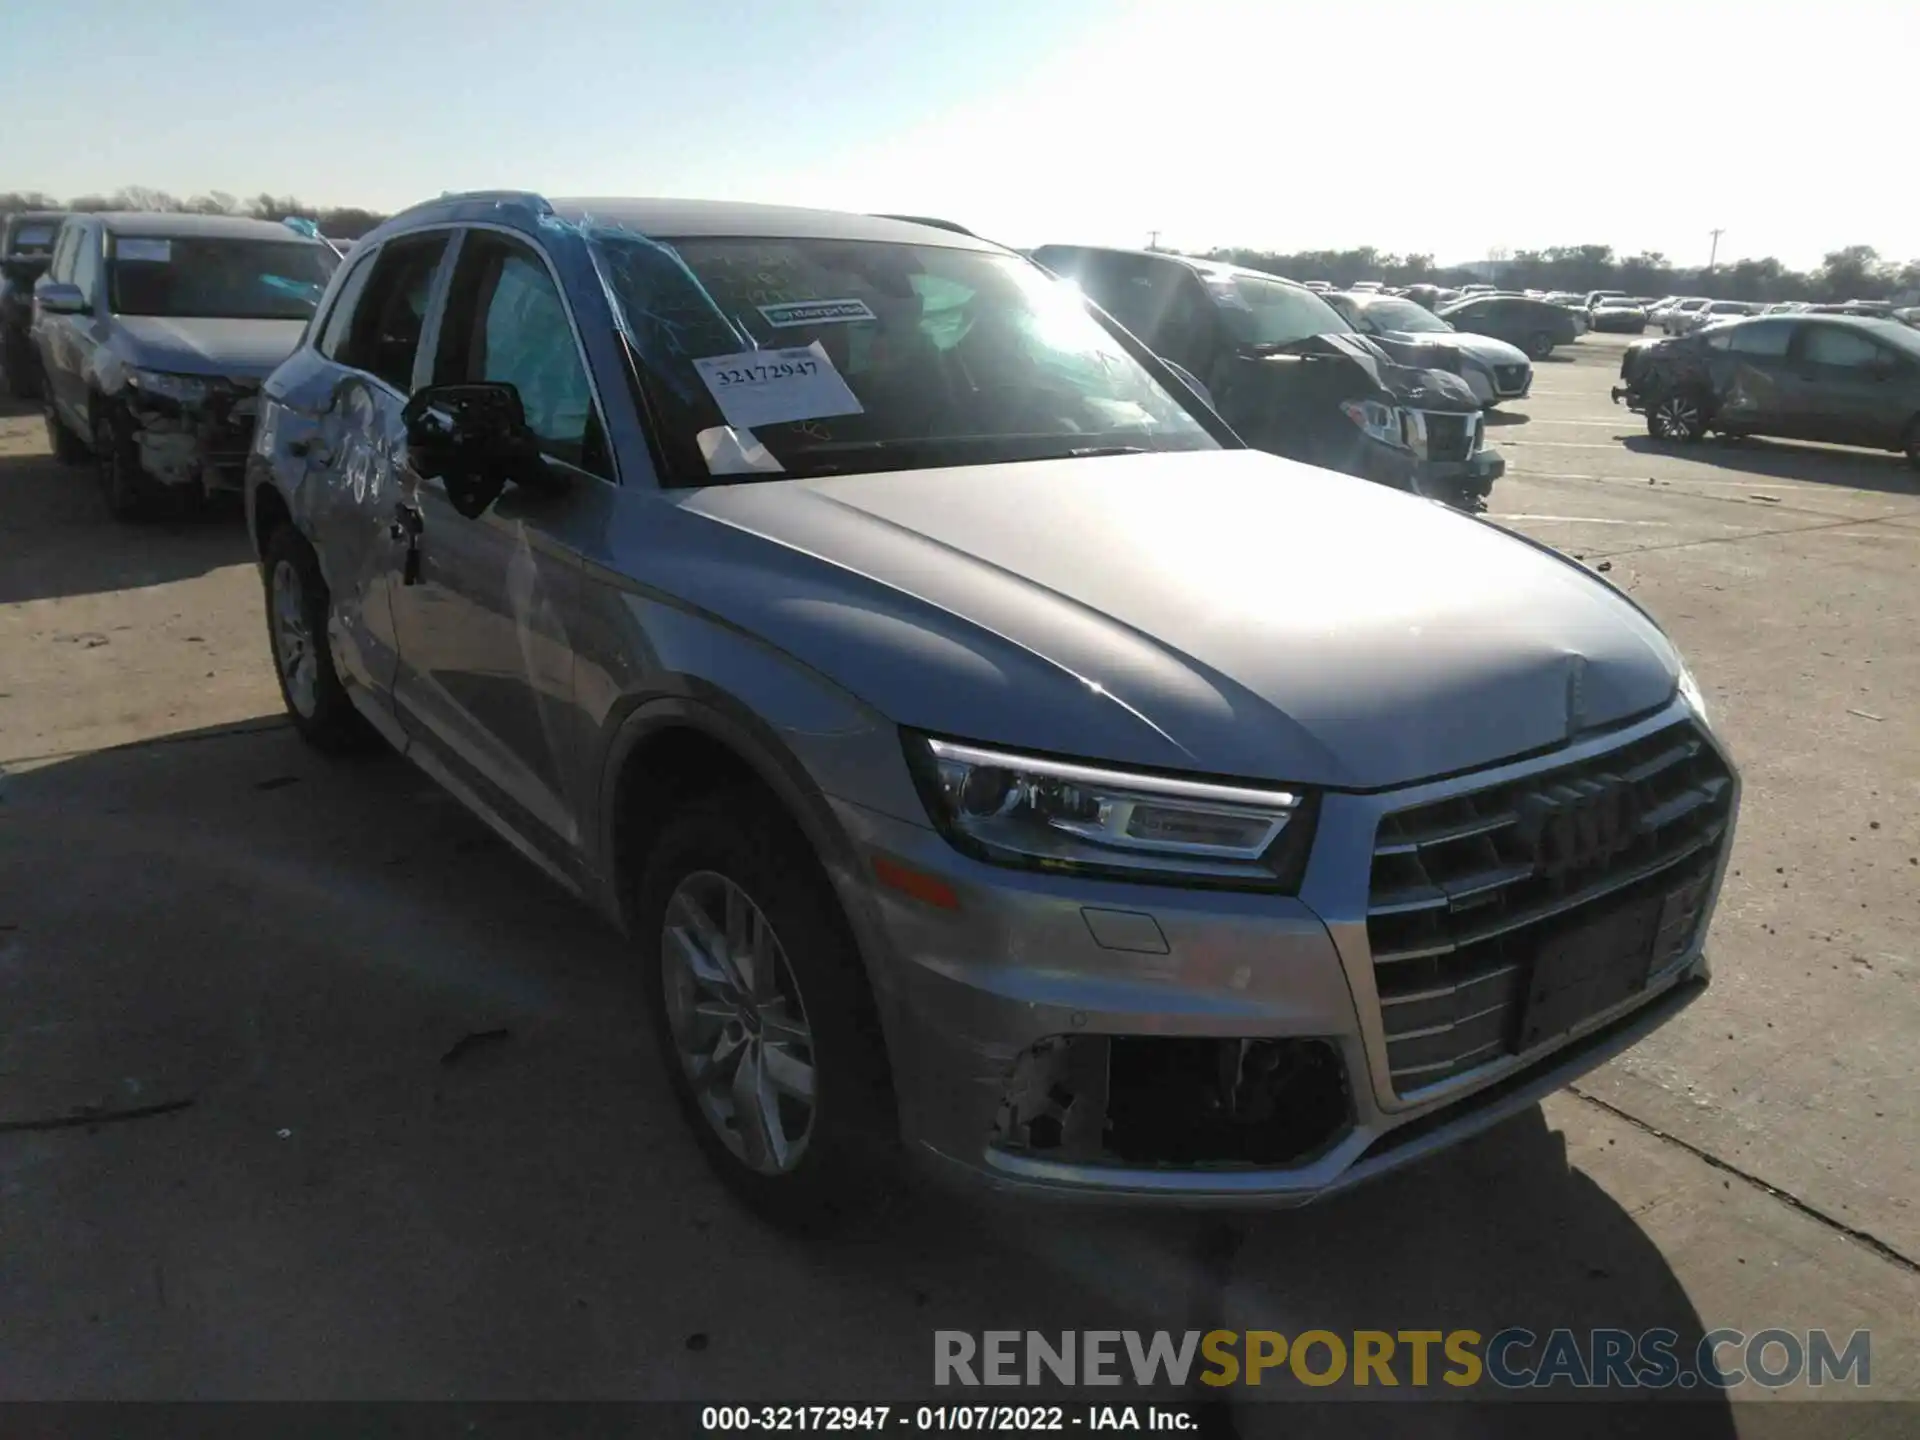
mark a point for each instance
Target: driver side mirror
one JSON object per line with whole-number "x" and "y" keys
{"x": 474, "y": 439}
{"x": 57, "y": 297}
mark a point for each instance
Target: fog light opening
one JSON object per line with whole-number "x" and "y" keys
{"x": 1154, "y": 1101}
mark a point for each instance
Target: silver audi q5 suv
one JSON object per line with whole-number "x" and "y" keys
{"x": 987, "y": 755}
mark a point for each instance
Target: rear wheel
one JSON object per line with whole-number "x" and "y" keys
{"x": 762, "y": 1013}
{"x": 1679, "y": 415}
{"x": 1911, "y": 443}
{"x": 297, "y": 610}
{"x": 1540, "y": 345}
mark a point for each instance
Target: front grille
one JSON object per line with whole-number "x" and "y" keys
{"x": 1509, "y": 378}
{"x": 1466, "y": 891}
{"x": 1449, "y": 437}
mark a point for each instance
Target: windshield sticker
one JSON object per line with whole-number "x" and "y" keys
{"x": 131, "y": 247}
{"x": 816, "y": 312}
{"x": 1226, "y": 293}
{"x": 775, "y": 387}
{"x": 729, "y": 450}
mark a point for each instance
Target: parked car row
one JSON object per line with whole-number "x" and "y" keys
{"x": 26, "y": 245}
{"x": 1844, "y": 379}
{"x": 990, "y": 757}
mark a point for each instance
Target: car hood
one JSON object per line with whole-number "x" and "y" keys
{"x": 1225, "y": 612}
{"x": 1482, "y": 347}
{"x": 240, "y": 348}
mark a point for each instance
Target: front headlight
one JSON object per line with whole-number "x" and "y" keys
{"x": 1690, "y": 692}
{"x": 1040, "y": 813}
{"x": 1384, "y": 423}
{"x": 163, "y": 385}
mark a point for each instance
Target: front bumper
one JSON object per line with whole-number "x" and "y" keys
{"x": 203, "y": 443}
{"x": 1403, "y": 470}
{"x": 971, "y": 995}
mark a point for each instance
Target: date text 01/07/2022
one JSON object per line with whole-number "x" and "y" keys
{"x": 928, "y": 1419}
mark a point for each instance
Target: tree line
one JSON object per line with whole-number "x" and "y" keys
{"x": 1853, "y": 272}
{"x": 343, "y": 222}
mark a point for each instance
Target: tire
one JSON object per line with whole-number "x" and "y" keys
{"x": 815, "y": 1144}
{"x": 1678, "y": 415}
{"x": 1911, "y": 442}
{"x": 297, "y": 607}
{"x": 23, "y": 373}
{"x": 68, "y": 448}
{"x": 1539, "y": 345}
{"x": 129, "y": 494}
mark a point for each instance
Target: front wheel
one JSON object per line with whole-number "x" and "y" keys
{"x": 1539, "y": 345}
{"x": 297, "y": 606}
{"x": 763, "y": 1018}
{"x": 129, "y": 494}
{"x": 1679, "y": 415}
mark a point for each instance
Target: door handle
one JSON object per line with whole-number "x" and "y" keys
{"x": 405, "y": 530}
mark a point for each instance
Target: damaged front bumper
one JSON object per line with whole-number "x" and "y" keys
{"x": 199, "y": 441}
{"x": 1472, "y": 477}
{"x": 1160, "y": 1045}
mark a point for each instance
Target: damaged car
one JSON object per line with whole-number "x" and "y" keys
{"x": 153, "y": 333}
{"x": 985, "y": 753}
{"x": 1493, "y": 369}
{"x": 1292, "y": 376}
{"x": 1846, "y": 380}
{"x": 26, "y": 245}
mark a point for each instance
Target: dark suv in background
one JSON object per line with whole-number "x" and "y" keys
{"x": 1536, "y": 326}
{"x": 1290, "y": 375}
{"x": 26, "y": 245}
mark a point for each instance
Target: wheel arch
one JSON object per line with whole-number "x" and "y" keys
{"x": 668, "y": 749}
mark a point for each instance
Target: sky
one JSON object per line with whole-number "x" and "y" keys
{"x": 1450, "y": 127}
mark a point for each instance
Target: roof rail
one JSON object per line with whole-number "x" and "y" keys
{"x": 957, "y": 229}
{"x": 536, "y": 203}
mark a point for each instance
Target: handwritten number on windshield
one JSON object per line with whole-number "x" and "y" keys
{"x": 760, "y": 374}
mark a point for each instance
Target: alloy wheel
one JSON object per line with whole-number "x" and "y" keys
{"x": 1677, "y": 417}
{"x": 738, "y": 1023}
{"x": 292, "y": 640}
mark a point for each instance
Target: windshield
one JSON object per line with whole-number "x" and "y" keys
{"x": 1403, "y": 315}
{"x": 199, "y": 277}
{"x": 1727, "y": 307}
{"x": 1266, "y": 312}
{"x": 770, "y": 357}
{"x": 32, "y": 237}
{"x": 1619, "y": 302}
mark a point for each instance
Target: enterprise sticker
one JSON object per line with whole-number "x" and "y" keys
{"x": 815, "y": 312}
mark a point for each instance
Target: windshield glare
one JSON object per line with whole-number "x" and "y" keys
{"x": 1266, "y": 312}
{"x": 891, "y": 356}
{"x": 1403, "y": 315}
{"x": 196, "y": 277}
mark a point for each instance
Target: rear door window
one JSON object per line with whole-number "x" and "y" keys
{"x": 383, "y": 337}
{"x": 1837, "y": 348}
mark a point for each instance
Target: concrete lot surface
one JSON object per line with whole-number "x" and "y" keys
{"x": 275, "y": 956}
